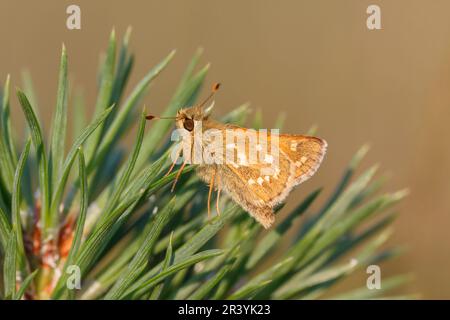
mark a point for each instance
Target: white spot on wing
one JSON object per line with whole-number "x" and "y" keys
{"x": 294, "y": 146}
{"x": 260, "y": 181}
{"x": 268, "y": 158}
{"x": 242, "y": 158}
{"x": 251, "y": 181}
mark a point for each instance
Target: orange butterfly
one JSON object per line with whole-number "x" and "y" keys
{"x": 257, "y": 186}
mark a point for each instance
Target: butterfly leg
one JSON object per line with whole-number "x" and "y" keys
{"x": 178, "y": 176}
{"x": 174, "y": 162}
{"x": 211, "y": 186}
{"x": 218, "y": 195}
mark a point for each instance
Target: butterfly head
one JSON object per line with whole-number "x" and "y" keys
{"x": 186, "y": 117}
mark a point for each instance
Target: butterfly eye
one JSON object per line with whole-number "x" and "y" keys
{"x": 188, "y": 124}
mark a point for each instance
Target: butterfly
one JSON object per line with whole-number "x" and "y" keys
{"x": 257, "y": 186}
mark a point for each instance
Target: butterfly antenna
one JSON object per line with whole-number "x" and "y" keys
{"x": 151, "y": 117}
{"x": 214, "y": 89}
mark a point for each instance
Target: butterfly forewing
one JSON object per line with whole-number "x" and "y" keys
{"x": 305, "y": 153}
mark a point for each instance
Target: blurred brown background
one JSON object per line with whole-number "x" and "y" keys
{"x": 316, "y": 60}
